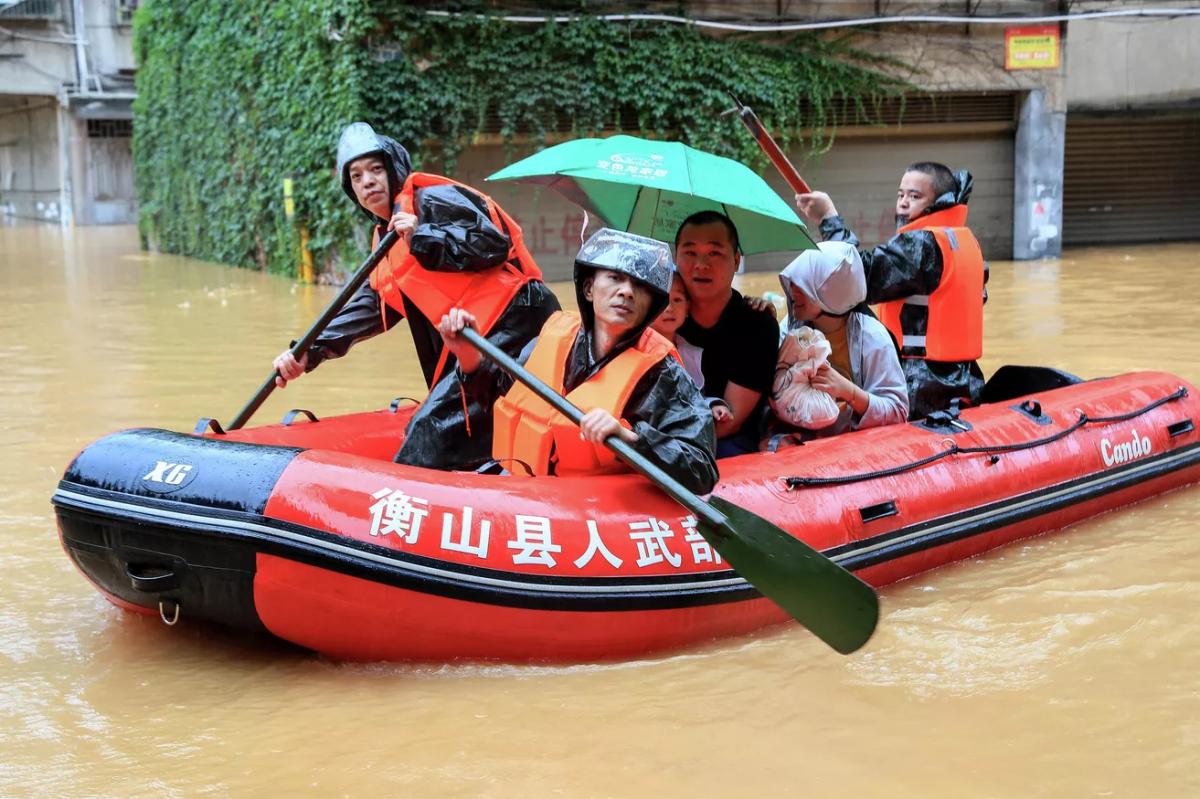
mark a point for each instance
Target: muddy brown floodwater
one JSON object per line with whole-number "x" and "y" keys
{"x": 1064, "y": 666}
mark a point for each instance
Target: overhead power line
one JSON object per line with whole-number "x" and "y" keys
{"x": 856, "y": 22}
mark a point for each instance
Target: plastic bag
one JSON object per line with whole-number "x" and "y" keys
{"x": 793, "y": 399}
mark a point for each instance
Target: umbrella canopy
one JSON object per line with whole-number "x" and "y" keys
{"x": 649, "y": 188}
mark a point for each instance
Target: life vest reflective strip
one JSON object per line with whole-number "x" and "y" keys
{"x": 954, "y": 327}
{"x": 486, "y": 294}
{"x": 527, "y": 429}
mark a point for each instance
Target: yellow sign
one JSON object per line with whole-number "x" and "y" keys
{"x": 1034, "y": 47}
{"x": 289, "y": 205}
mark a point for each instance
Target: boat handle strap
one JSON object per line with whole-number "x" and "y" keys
{"x": 291, "y": 415}
{"x": 152, "y": 578}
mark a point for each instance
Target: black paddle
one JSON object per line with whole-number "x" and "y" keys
{"x": 836, "y": 606}
{"x": 308, "y": 338}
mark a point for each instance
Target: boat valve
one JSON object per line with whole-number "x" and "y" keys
{"x": 945, "y": 421}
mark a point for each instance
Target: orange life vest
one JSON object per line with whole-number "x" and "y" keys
{"x": 529, "y": 430}
{"x": 954, "y": 331}
{"x": 485, "y": 294}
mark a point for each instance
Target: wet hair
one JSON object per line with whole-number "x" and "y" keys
{"x": 708, "y": 218}
{"x": 943, "y": 179}
{"x": 676, "y": 276}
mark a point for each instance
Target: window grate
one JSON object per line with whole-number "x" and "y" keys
{"x": 49, "y": 10}
{"x": 915, "y": 109}
{"x": 109, "y": 128}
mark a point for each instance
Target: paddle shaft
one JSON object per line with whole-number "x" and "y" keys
{"x": 771, "y": 148}
{"x": 835, "y": 605}
{"x": 627, "y": 453}
{"x": 318, "y": 326}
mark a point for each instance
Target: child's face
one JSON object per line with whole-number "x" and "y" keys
{"x": 676, "y": 311}
{"x": 804, "y": 307}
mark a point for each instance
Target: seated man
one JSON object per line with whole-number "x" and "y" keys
{"x": 824, "y": 290}
{"x": 929, "y": 280}
{"x": 459, "y": 249}
{"x": 609, "y": 363}
{"x": 739, "y": 342}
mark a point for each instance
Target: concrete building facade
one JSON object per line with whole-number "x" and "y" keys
{"x": 1132, "y": 137}
{"x": 66, "y": 119}
{"x": 1048, "y": 148}
{"x": 1104, "y": 147}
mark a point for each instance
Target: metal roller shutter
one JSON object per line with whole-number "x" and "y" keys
{"x": 861, "y": 175}
{"x": 1131, "y": 178}
{"x": 971, "y": 131}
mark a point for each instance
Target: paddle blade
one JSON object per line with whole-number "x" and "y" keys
{"x": 836, "y": 606}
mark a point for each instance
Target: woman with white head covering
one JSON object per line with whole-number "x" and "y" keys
{"x": 825, "y": 289}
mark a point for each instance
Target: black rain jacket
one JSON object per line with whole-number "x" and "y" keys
{"x": 911, "y": 263}
{"x": 672, "y": 420}
{"x": 454, "y": 234}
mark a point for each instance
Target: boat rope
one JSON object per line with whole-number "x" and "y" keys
{"x": 994, "y": 449}
{"x": 1179, "y": 393}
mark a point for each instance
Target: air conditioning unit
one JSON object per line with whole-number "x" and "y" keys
{"x": 124, "y": 11}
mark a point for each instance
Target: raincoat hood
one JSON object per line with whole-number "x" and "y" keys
{"x": 832, "y": 276}
{"x": 358, "y": 140}
{"x": 958, "y": 196}
{"x": 647, "y": 261}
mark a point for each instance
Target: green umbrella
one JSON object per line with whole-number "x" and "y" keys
{"x": 650, "y": 187}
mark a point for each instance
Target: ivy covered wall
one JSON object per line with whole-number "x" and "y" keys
{"x": 236, "y": 95}
{"x": 233, "y": 96}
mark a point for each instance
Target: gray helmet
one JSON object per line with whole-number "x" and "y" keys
{"x": 358, "y": 140}
{"x": 646, "y": 260}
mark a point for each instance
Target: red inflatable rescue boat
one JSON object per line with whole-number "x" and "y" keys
{"x": 308, "y": 532}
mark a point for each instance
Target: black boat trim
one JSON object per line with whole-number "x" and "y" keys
{"x": 925, "y": 535}
{"x": 494, "y": 587}
{"x": 406, "y": 570}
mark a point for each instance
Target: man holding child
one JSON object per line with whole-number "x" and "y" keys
{"x": 739, "y": 343}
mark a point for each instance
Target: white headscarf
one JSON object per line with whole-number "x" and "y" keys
{"x": 832, "y": 276}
